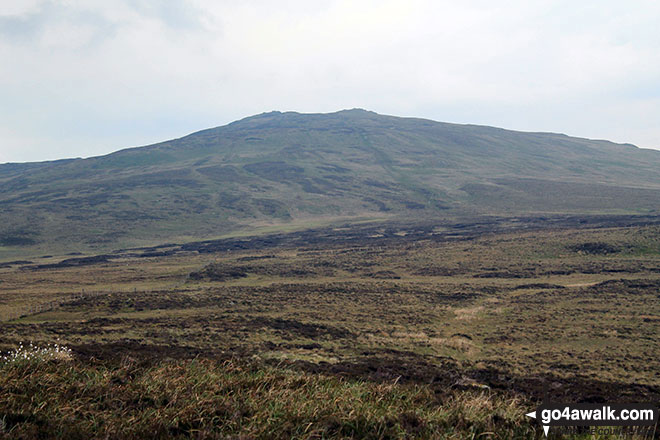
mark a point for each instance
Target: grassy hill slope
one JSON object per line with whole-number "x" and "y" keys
{"x": 293, "y": 169}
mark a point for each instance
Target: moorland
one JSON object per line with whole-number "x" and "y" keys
{"x": 379, "y": 330}
{"x": 341, "y": 275}
{"x": 291, "y": 171}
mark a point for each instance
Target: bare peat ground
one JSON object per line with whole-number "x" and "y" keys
{"x": 496, "y": 315}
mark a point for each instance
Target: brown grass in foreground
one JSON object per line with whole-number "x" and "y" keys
{"x": 413, "y": 339}
{"x": 210, "y": 399}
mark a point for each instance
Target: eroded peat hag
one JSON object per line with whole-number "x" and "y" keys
{"x": 496, "y": 315}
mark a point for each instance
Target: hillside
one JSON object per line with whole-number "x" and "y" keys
{"x": 290, "y": 170}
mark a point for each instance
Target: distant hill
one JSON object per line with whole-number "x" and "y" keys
{"x": 280, "y": 169}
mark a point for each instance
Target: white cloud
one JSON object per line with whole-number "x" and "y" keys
{"x": 89, "y": 76}
{"x": 19, "y": 8}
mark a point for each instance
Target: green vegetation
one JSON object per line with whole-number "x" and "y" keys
{"x": 289, "y": 170}
{"x": 373, "y": 332}
{"x": 348, "y": 275}
{"x": 205, "y": 399}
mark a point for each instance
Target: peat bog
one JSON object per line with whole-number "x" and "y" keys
{"x": 443, "y": 329}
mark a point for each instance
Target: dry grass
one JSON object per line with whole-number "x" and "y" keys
{"x": 206, "y": 399}
{"x": 460, "y": 344}
{"x": 466, "y": 325}
{"x": 468, "y": 313}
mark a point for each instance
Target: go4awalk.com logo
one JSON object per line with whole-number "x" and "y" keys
{"x": 597, "y": 415}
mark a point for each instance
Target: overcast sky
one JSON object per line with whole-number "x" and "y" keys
{"x": 87, "y": 77}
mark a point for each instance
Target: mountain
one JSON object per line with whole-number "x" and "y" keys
{"x": 290, "y": 169}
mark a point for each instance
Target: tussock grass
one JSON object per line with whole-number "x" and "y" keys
{"x": 209, "y": 399}
{"x": 465, "y": 320}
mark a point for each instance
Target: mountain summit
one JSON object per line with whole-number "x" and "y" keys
{"x": 278, "y": 168}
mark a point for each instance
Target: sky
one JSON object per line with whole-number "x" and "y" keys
{"x": 80, "y": 78}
